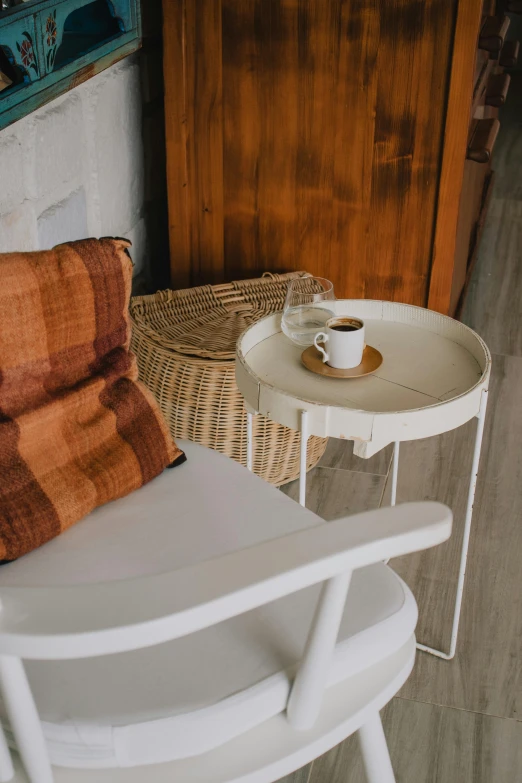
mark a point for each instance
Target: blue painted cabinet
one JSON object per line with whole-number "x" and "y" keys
{"x": 49, "y": 46}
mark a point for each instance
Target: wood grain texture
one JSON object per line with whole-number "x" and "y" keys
{"x": 205, "y": 150}
{"x": 480, "y": 147}
{"x": 497, "y": 89}
{"x": 455, "y": 142}
{"x": 434, "y": 744}
{"x": 412, "y": 66}
{"x": 174, "y": 67}
{"x": 313, "y": 139}
{"x": 194, "y": 129}
{"x": 260, "y": 100}
{"x": 484, "y": 68}
{"x": 493, "y": 33}
{"x": 354, "y": 144}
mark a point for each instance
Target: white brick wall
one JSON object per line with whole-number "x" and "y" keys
{"x": 74, "y": 168}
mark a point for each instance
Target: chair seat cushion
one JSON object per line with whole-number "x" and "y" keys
{"x": 193, "y": 694}
{"x": 187, "y": 696}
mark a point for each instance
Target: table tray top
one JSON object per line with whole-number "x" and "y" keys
{"x": 430, "y": 361}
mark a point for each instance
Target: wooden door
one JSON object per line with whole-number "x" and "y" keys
{"x": 306, "y": 134}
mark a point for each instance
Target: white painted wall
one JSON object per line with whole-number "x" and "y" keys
{"x": 74, "y": 168}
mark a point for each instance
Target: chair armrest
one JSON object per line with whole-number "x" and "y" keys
{"x": 97, "y": 619}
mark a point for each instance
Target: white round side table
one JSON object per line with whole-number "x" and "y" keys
{"x": 434, "y": 378}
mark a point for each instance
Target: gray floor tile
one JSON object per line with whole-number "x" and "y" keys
{"x": 432, "y": 744}
{"x": 486, "y": 674}
{"x": 494, "y": 303}
{"x": 335, "y": 493}
{"x": 339, "y": 454}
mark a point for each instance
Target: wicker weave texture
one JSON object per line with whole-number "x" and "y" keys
{"x": 185, "y": 345}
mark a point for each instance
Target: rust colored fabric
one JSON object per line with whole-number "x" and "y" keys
{"x": 77, "y": 429}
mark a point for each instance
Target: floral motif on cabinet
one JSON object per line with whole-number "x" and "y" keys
{"x": 27, "y": 53}
{"x": 45, "y": 44}
{"x": 50, "y": 36}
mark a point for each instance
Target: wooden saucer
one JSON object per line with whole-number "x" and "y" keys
{"x": 313, "y": 360}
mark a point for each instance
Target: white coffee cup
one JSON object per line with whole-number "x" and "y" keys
{"x": 344, "y": 338}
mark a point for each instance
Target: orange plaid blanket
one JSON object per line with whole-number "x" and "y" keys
{"x": 77, "y": 428}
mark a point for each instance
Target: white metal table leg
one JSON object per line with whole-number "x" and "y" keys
{"x": 395, "y": 472}
{"x": 375, "y": 753}
{"x": 467, "y": 531}
{"x": 250, "y": 461}
{"x": 302, "y": 458}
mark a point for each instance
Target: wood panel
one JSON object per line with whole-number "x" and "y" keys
{"x": 412, "y": 67}
{"x": 174, "y": 63}
{"x": 320, "y": 39}
{"x": 205, "y": 117}
{"x": 455, "y": 143}
{"x": 260, "y": 100}
{"x": 352, "y": 182}
{"x": 194, "y": 130}
{"x": 312, "y": 139}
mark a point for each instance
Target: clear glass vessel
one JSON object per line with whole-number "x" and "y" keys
{"x": 306, "y": 308}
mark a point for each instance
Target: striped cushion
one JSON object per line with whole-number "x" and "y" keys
{"x": 76, "y": 427}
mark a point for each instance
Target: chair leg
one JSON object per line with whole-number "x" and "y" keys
{"x": 24, "y": 720}
{"x": 375, "y": 753}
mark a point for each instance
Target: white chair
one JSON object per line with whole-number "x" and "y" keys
{"x": 209, "y": 627}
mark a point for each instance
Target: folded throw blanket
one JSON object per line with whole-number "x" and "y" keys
{"x": 76, "y": 427}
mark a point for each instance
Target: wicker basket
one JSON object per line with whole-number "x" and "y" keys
{"x": 185, "y": 345}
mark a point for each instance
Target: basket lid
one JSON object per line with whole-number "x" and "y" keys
{"x": 207, "y": 321}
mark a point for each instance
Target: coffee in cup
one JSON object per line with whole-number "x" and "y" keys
{"x": 343, "y": 336}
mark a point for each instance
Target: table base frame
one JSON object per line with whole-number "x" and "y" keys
{"x": 481, "y": 416}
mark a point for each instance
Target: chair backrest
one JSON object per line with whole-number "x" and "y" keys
{"x": 97, "y": 619}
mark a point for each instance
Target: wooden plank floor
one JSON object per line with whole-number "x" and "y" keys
{"x": 459, "y": 720}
